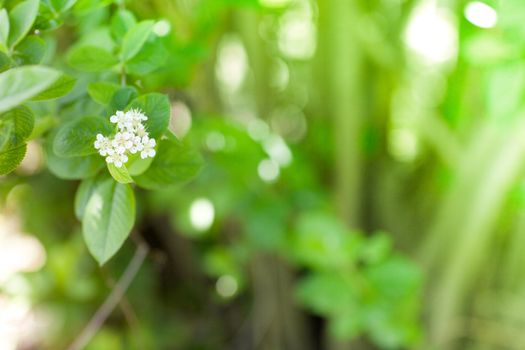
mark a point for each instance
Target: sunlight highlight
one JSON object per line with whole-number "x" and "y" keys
{"x": 404, "y": 145}
{"x": 15, "y": 244}
{"x": 297, "y": 34}
{"x": 215, "y": 141}
{"x": 431, "y": 34}
{"x": 180, "y": 120}
{"x": 226, "y": 286}
{"x": 481, "y": 14}
{"x": 275, "y": 3}
{"x": 278, "y": 150}
{"x": 268, "y": 170}
{"x": 258, "y": 129}
{"x": 162, "y": 28}
{"x": 202, "y": 214}
{"x": 232, "y": 63}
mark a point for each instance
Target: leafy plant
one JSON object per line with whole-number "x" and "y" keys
{"x": 255, "y": 234}
{"x": 105, "y": 200}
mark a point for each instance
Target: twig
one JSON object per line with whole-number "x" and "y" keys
{"x": 123, "y": 75}
{"x": 124, "y": 304}
{"x": 112, "y": 300}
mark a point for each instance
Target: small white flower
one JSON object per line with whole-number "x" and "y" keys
{"x": 137, "y": 114}
{"x": 149, "y": 147}
{"x": 135, "y": 118}
{"x": 137, "y": 145}
{"x": 101, "y": 141}
{"x": 103, "y": 145}
{"x": 120, "y": 118}
{"x": 109, "y": 150}
{"x": 140, "y": 131}
{"x": 131, "y": 137}
{"x": 117, "y": 159}
{"x": 122, "y": 142}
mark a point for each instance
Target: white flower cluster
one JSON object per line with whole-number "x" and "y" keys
{"x": 131, "y": 137}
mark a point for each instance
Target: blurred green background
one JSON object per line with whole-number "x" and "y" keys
{"x": 363, "y": 185}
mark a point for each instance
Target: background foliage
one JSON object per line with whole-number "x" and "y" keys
{"x": 332, "y": 174}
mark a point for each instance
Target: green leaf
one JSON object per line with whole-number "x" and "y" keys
{"x": 21, "y": 19}
{"x": 321, "y": 241}
{"x": 42, "y": 125}
{"x": 5, "y": 62}
{"x": 137, "y": 165}
{"x": 158, "y": 110}
{"x": 20, "y": 84}
{"x": 135, "y": 39}
{"x": 329, "y": 294}
{"x": 121, "y": 23}
{"x": 15, "y": 127}
{"x": 18, "y": 123}
{"x": 61, "y": 87}
{"x": 122, "y": 97}
{"x": 346, "y": 326}
{"x": 152, "y": 56}
{"x": 102, "y": 92}
{"x": 108, "y": 218}
{"x": 84, "y": 6}
{"x": 73, "y": 168}
{"x": 10, "y": 158}
{"x": 48, "y": 18}
{"x": 4, "y": 28}
{"x": 120, "y": 174}
{"x": 90, "y": 58}
{"x": 376, "y": 249}
{"x": 77, "y": 137}
{"x": 5, "y": 134}
{"x": 31, "y": 50}
{"x": 62, "y": 5}
{"x": 175, "y": 163}
{"x": 82, "y": 196}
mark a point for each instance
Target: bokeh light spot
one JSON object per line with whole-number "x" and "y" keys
{"x": 226, "y": 286}
{"x": 202, "y": 214}
{"x": 162, "y": 27}
{"x": 481, "y": 14}
{"x": 268, "y": 170}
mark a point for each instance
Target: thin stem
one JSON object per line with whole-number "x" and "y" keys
{"x": 125, "y": 306}
{"x": 123, "y": 74}
{"x": 112, "y": 300}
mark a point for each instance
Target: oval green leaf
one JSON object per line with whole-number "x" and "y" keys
{"x": 152, "y": 56}
{"x": 122, "y": 97}
{"x": 102, "y": 92}
{"x": 120, "y": 174}
{"x": 121, "y": 23}
{"x": 82, "y": 196}
{"x": 20, "y": 84}
{"x": 136, "y": 165}
{"x": 158, "y": 110}
{"x": 4, "y": 28}
{"x": 175, "y": 163}
{"x": 108, "y": 218}
{"x": 17, "y": 125}
{"x": 21, "y": 19}
{"x": 10, "y": 158}
{"x": 77, "y": 137}
{"x": 61, "y": 87}
{"x": 135, "y": 39}
{"x": 90, "y": 58}
{"x": 30, "y": 51}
